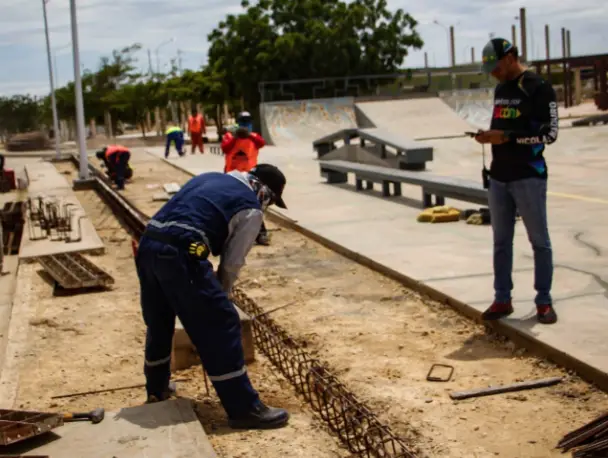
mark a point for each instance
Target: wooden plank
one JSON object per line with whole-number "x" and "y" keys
{"x": 459, "y": 395}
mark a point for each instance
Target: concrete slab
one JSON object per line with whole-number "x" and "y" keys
{"x": 456, "y": 258}
{"x": 47, "y": 182}
{"x": 161, "y": 430}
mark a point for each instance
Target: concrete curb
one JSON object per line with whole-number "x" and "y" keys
{"x": 529, "y": 342}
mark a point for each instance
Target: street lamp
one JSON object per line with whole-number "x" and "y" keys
{"x": 82, "y": 145}
{"x": 53, "y": 100}
{"x": 170, "y": 40}
{"x": 447, "y": 33}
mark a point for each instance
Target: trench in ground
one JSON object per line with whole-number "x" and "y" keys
{"x": 382, "y": 338}
{"x": 95, "y": 341}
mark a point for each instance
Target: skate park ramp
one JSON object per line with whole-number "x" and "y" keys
{"x": 473, "y": 106}
{"x": 303, "y": 121}
{"x": 415, "y": 118}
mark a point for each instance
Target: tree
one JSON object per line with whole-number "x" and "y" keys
{"x": 20, "y": 113}
{"x": 302, "y": 39}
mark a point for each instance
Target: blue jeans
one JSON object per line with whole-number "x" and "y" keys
{"x": 175, "y": 284}
{"x": 529, "y": 197}
{"x": 176, "y": 138}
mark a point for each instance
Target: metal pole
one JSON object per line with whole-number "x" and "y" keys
{"x": 149, "y": 62}
{"x": 82, "y": 145}
{"x": 514, "y": 35}
{"x": 547, "y": 42}
{"x": 452, "y": 46}
{"x": 524, "y": 41}
{"x": 426, "y": 60}
{"x": 52, "y": 82}
{"x": 157, "y": 62}
{"x": 568, "y": 49}
{"x": 473, "y": 55}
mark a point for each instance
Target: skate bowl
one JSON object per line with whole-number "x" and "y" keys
{"x": 474, "y": 106}
{"x": 300, "y": 122}
{"x": 303, "y": 121}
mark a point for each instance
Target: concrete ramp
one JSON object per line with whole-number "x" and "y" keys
{"x": 415, "y": 118}
{"x": 473, "y": 106}
{"x": 303, "y": 121}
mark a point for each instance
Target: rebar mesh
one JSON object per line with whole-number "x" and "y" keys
{"x": 358, "y": 428}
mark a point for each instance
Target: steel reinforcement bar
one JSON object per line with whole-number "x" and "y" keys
{"x": 357, "y": 427}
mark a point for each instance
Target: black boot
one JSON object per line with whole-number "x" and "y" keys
{"x": 260, "y": 417}
{"x": 263, "y": 239}
{"x": 170, "y": 392}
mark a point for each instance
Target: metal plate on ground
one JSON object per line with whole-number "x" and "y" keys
{"x": 18, "y": 425}
{"x": 72, "y": 270}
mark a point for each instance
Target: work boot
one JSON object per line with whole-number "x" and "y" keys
{"x": 260, "y": 417}
{"x": 263, "y": 239}
{"x": 169, "y": 393}
{"x": 497, "y": 311}
{"x": 545, "y": 314}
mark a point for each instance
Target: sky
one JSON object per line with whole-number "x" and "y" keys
{"x": 104, "y": 25}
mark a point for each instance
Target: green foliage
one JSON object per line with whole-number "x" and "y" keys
{"x": 269, "y": 40}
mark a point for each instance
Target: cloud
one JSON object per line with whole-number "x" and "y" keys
{"x": 104, "y": 26}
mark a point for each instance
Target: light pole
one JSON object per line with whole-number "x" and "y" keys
{"x": 170, "y": 40}
{"x": 447, "y": 33}
{"x": 82, "y": 145}
{"x": 53, "y": 100}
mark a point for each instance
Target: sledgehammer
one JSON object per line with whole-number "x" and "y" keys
{"x": 96, "y": 416}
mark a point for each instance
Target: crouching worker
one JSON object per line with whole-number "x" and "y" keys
{"x": 212, "y": 214}
{"x": 241, "y": 151}
{"x": 116, "y": 160}
{"x": 174, "y": 135}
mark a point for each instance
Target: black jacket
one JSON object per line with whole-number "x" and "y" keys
{"x": 526, "y": 109}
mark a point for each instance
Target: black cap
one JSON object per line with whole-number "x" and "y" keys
{"x": 494, "y": 50}
{"x": 272, "y": 177}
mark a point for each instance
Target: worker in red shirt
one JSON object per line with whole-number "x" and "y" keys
{"x": 196, "y": 130}
{"x": 241, "y": 152}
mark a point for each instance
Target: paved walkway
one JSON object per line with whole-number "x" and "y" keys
{"x": 456, "y": 258}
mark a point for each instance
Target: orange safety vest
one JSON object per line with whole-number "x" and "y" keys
{"x": 195, "y": 123}
{"x": 115, "y": 149}
{"x": 243, "y": 156}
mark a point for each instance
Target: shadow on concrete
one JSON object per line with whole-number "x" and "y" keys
{"x": 477, "y": 347}
{"x": 29, "y": 445}
{"x": 407, "y": 201}
{"x": 213, "y": 419}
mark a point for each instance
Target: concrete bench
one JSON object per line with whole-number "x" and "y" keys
{"x": 412, "y": 155}
{"x": 432, "y": 185}
{"x": 328, "y": 143}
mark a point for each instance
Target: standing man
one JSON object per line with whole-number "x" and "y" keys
{"x": 241, "y": 151}
{"x": 175, "y": 135}
{"x": 524, "y": 120}
{"x": 196, "y": 129}
{"x": 219, "y": 214}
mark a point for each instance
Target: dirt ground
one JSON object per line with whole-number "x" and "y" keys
{"x": 95, "y": 341}
{"x": 382, "y": 338}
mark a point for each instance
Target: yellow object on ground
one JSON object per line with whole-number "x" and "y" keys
{"x": 442, "y": 214}
{"x": 476, "y": 219}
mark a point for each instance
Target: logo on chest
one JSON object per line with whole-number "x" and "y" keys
{"x": 506, "y": 109}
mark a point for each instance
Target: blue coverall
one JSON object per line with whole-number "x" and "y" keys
{"x": 223, "y": 211}
{"x": 175, "y": 135}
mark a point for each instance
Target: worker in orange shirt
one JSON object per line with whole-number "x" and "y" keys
{"x": 116, "y": 159}
{"x": 241, "y": 151}
{"x": 196, "y": 129}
